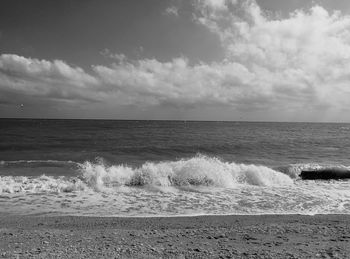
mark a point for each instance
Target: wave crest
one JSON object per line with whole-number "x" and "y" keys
{"x": 199, "y": 170}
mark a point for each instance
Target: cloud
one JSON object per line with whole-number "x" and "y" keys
{"x": 177, "y": 83}
{"x": 118, "y": 57}
{"x": 212, "y": 5}
{"x": 271, "y": 63}
{"x": 295, "y": 65}
{"x": 172, "y": 10}
{"x": 53, "y": 79}
{"x": 302, "y": 59}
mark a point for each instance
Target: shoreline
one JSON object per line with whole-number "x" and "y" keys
{"x": 227, "y": 236}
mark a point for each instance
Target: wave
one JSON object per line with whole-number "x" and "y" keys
{"x": 196, "y": 171}
{"x": 200, "y": 170}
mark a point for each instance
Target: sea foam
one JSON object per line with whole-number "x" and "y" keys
{"x": 192, "y": 186}
{"x": 196, "y": 171}
{"x": 22, "y": 184}
{"x": 199, "y": 170}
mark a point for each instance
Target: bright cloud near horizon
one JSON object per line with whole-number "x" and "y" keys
{"x": 199, "y": 59}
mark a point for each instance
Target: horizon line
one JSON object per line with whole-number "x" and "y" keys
{"x": 176, "y": 120}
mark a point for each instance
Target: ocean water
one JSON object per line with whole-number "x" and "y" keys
{"x": 171, "y": 168}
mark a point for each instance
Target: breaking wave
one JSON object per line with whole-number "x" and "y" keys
{"x": 198, "y": 185}
{"x": 196, "y": 171}
{"x": 200, "y": 170}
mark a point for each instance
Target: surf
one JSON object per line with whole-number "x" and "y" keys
{"x": 196, "y": 171}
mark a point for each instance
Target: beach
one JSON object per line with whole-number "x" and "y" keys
{"x": 261, "y": 236}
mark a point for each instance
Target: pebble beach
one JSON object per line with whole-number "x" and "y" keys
{"x": 264, "y": 236}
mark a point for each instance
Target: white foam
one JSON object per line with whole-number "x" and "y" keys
{"x": 199, "y": 170}
{"x": 197, "y": 186}
{"x": 22, "y": 184}
{"x": 196, "y": 171}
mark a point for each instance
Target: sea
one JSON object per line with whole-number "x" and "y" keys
{"x": 145, "y": 168}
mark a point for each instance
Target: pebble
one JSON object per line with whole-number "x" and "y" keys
{"x": 220, "y": 236}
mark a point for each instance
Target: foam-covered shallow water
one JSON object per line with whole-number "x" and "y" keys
{"x": 142, "y": 168}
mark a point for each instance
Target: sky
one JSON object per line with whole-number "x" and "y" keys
{"x": 251, "y": 60}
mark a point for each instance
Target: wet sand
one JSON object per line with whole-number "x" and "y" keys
{"x": 284, "y": 236}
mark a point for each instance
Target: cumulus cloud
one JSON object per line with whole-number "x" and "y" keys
{"x": 54, "y": 79}
{"x": 177, "y": 83}
{"x": 304, "y": 57}
{"x": 293, "y": 64}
